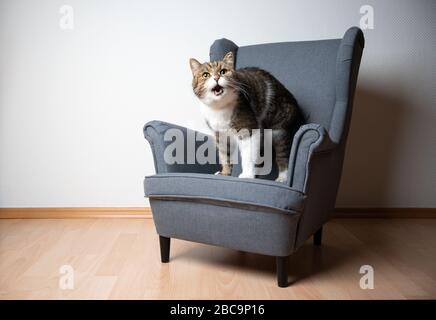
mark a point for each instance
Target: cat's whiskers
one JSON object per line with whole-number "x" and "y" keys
{"x": 239, "y": 87}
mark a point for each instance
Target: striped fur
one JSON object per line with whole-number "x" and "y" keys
{"x": 250, "y": 98}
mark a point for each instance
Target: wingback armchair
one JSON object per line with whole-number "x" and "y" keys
{"x": 263, "y": 216}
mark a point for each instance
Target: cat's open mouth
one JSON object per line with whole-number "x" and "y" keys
{"x": 217, "y": 90}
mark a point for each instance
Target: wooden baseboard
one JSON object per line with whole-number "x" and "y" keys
{"x": 386, "y": 213}
{"x": 67, "y": 213}
{"x": 137, "y": 212}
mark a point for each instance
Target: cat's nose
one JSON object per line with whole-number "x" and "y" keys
{"x": 216, "y": 77}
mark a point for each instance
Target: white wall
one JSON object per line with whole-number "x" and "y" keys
{"x": 73, "y": 102}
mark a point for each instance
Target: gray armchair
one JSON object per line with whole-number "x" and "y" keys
{"x": 260, "y": 215}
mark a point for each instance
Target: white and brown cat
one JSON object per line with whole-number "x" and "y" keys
{"x": 248, "y": 98}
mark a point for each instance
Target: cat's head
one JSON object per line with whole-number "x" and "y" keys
{"x": 211, "y": 80}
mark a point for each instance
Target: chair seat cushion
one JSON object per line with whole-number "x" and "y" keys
{"x": 252, "y": 194}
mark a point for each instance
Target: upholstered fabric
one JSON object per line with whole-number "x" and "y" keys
{"x": 254, "y": 194}
{"x": 262, "y": 232}
{"x": 189, "y": 202}
{"x": 309, "y": 140}
{"x": 307, "y": 69}
{"x": 154, "y": 132}
{"x": 320, "y": 74}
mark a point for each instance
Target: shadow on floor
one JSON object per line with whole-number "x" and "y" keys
{"x": 307, "y": 261}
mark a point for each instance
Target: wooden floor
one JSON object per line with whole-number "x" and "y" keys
{"x": 119, "y": 259}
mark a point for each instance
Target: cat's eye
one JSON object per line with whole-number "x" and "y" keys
{"x": 206, "y": 74}
{"x": 223, "y": 71}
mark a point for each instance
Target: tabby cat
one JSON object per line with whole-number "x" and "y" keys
{"x": 247, "y": 98}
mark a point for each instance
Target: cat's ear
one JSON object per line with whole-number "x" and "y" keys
{"x": 194, "y": 65}
{"x": 229, "y": 59}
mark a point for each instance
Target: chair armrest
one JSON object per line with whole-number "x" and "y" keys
{"x": 310, "y": 140}
{"x": 154, "y": 132}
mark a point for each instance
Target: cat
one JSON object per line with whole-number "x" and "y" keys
{"x": 246, "y": 98}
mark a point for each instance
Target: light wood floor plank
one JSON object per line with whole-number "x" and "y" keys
{"x": 119, "y": 259}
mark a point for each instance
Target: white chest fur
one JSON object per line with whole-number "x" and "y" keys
{"x": 218, "y": 119}
{"x": 218, "y": 112}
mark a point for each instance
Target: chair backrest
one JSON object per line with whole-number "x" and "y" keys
{"x": 318, "y": 73}
{"x": 322, "y": 75}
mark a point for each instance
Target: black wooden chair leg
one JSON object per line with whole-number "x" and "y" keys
{"x": 282, "y": 271}
{"x": 317, "y": 237}
{"x": 164, "y": 249}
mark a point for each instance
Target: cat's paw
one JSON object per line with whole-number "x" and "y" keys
{"x": 222, "y": 173}
{"x": 282, "y": 179}
{"x": 248, "y": 175}
{"x": 283, "y": 176}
